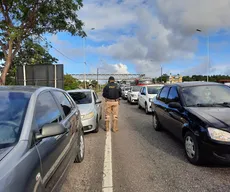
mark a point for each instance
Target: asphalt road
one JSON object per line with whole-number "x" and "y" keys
{"x": 143, "y": 160}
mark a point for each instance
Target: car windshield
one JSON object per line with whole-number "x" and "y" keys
{"x": 154, "y": 89}
{"x": 12, "y": 112}
{"x": 136, "y": 88}
{"x": 206, "y": 95}
{"x": 81, "y": 97}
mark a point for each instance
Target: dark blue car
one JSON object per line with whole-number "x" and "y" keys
{"x": 198, "y": 114}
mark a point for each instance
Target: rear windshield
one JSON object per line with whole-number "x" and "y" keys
{"x": 136, "y": 88}
{"x": 154, "y": 89}
{"x": 12, "y": 113}
{"x": 81, "y": 97}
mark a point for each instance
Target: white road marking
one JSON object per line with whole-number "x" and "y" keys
{"x": 107, "y": 183}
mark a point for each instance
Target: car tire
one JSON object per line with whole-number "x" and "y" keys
{"x": 192, "y": 149}
{"x": 146, "y": 109}
{"x": 81, "y": 148}
{"x": 97, "y": 126}
{"x": 156, "y": 123}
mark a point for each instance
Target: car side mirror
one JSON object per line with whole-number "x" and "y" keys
{"x": 98, "y": 101}
{"x": 50, "y": 130}
{"x": 175, "y": 105}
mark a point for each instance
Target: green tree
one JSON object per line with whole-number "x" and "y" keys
{"x": 23, "y": 19}
{"x": 164, "y": 78}
{"x": 70, "y": 82}
{"x": 29, "y": 53}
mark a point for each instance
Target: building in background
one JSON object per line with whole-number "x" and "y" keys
{"x": 175, "y": 79}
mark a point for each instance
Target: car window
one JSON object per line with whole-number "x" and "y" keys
{"x": 84, "y": 97}
{"x": 141, "y": 89}
{"x": 153, "y": 89}
{"x": 144, "y": 90}
{"x": 164, "y": 94}
{"x": 206, "y": 95}
{"x": 136, "y": 88}
{"x": 46, "y": 110}
{"x": 64, "y": 102}
{"x": 94, "y": 96}
{"x": 12, "y": 113}
{"x": 173, "y": 95}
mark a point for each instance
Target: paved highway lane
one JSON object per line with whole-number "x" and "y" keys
{"x": 143, "y": 160}
{"x": 87, "y": 176}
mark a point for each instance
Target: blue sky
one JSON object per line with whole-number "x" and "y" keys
{"x": 140, "y": 36}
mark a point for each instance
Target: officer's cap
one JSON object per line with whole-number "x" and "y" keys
{"x": 111, "y": 78}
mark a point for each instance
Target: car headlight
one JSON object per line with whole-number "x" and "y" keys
{"x": 150, "y": 99}
{"x": 87, "y": 116}
{"x": 219, "y": 135}
{"x": 132, "y": 95}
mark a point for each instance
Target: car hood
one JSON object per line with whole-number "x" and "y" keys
{"x": 85, "y": 108}
{"x": 4, "y": 152}
{"x": 215, "y": 116}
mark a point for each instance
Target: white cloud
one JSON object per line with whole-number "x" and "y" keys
{"x": 148, "y": 33}
{"x": 117, "y": 68}
{"x": 186, "y": 16}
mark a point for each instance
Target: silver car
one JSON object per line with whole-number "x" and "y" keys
{"x": 132, "y": 95}
{"x": 40, "y": 136}
{"x": 90, "y": 108}
{"x": 124, "y": 92}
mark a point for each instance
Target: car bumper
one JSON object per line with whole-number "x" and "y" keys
{"x": 133, "y": 100}
{"x": 219, "y": 151}
{"x": 89, "y": 125}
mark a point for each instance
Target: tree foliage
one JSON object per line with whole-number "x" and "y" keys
{"x": 30, "y": 53}
{"x": 20, "y": 19}
{"x": 213, "y": 78}
{"x": 70, "y": 82}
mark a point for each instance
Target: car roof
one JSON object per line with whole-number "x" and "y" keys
{"x": 79, "y": 90}
{"x": 19, "y": 88}
{"x": 30, "y": 89}
{"x": 152, "y": 85}
{"x": 194, "y": 83}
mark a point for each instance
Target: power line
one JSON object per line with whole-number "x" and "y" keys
{"x": 58, "y": 50}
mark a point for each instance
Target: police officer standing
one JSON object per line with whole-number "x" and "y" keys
{"x": 112, "y": 94}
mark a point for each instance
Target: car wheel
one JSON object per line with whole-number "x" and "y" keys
{"x": 97, "y": 126}
{"x": 81, "y": 148}
{"x": 146, "y": 109}
{"x": 156, "y": 123}
{"x": 192, "y": 149}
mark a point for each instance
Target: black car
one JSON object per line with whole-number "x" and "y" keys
{"x": 198, "y": 114}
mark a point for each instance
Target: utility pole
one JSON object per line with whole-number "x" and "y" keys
{"x": 161, "y": 73}
{"x": 84, "y": 63}
{"x": 208, "y": 52}
{"x": 97, "y": 79}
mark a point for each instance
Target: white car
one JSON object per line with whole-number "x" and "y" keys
{"x": 146, "y": 95}
{"x": 132, "y": 95}
{"x": 90, "y": 108}
{"x": 124, "y": 92}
